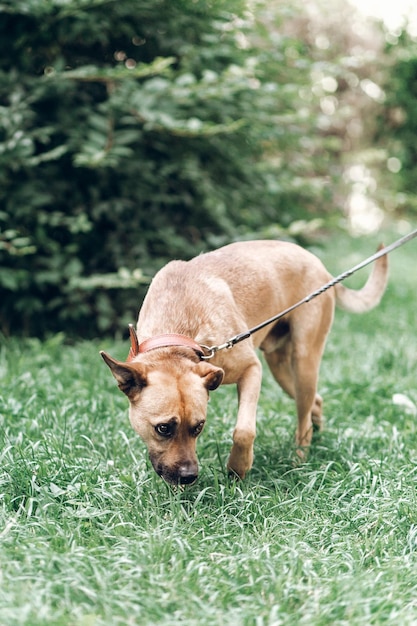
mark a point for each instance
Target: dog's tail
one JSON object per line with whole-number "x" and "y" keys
{"x": 371, "y": 293}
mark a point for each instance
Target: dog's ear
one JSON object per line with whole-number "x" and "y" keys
{"x": 130, "y": 378}
{"x": 212, "y": 376}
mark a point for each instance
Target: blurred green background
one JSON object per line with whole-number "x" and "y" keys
{"x": 135, "y": 132}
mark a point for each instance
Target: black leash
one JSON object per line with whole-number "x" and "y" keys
{"x": 211, "y": 350}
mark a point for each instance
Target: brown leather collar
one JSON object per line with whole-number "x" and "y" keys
{"x": 160, "y": 341}
{"x": 170, "y": 339}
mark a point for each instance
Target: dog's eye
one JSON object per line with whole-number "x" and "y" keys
{"x": 165, "y": 430}
{"x": 197, "y": 430}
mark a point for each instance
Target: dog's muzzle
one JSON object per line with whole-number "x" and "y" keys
{"x": 185, "y": 474}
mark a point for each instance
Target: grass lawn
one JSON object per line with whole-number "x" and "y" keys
{"x": 90, "y": 536}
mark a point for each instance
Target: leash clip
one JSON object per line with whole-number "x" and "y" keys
{"x": 224, "y": 346}
{"x": 210, "y": 350}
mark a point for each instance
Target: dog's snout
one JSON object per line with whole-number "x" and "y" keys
{"x": 183, "y": 473}
{"x": 187, "y": 474}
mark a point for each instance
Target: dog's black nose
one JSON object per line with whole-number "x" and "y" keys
{"x": 187, "y": 474}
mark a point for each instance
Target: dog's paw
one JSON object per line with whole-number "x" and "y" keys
{"x": 238, "y": 472}
{"x": 318, "y": 423}
{"x": 240, "y": 462}
{"x": 299, "y": 455}
{"x": 232, "y": 474}
{"x": 317, "y": 413}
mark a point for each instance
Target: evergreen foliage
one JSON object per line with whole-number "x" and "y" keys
{"x": 133, "y": 132}
{"x": 397, "y": 124}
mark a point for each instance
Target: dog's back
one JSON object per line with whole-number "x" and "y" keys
{"x": 243, "y": 283}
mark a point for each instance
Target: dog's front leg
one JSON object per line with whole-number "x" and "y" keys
{"x": 248, "y": 386}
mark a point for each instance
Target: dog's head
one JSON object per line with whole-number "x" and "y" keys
{"x": 168, "y": 405}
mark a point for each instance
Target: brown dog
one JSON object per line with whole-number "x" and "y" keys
{"x": 204, "y": 302}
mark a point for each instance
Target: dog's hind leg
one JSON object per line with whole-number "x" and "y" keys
{"x": 305, "y": 382}
{"x": 298, "y": 378}
{"x": 297, "y": 373}
{"x": 278, "y": 358}
{"x": 277, "y": 348}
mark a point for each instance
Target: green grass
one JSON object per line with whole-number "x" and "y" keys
{"x": 90, "y": 536}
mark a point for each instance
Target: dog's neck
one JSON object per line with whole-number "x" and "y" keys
{"x": 160, "y": 341}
